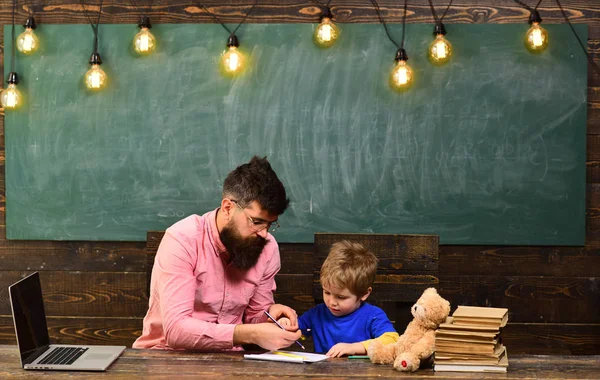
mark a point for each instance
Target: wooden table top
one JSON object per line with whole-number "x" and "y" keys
{"x": 156, "y": 364}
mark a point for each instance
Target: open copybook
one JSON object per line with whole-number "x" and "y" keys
{"x": 288, "y": 356}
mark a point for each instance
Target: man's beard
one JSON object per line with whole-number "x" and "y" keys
{"x": 243, "y": 252}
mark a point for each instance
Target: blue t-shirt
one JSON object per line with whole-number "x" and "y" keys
{"x": 366, "y": 322}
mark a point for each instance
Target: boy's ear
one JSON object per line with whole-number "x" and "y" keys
{"x": 364, "y": 298}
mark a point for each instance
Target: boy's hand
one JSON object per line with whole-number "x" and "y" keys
{"x": 285, "y": 321}
{"x": 341, "y": 349}
{"x": 279, "y": 311}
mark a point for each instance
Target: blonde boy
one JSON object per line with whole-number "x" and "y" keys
{"x": 345, "y": 324}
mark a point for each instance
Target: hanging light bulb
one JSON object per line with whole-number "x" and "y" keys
{"x": 401, "y": 76}
{"x": 440, "y": 49}
{"x": 327, "y": 32}
{"x": 95, "y": 78}
{"x": 536, "y": 38}
{"x": 232, "y": 61}
{"x": 27, "y": 42}
{"x": 11, "y": 97}
{"x": 144, "y": 42}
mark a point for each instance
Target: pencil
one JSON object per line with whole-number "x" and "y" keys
{"x": 288, "y": 354}
{"x": 358, "y": 357}
{"x": 283, "y": 328}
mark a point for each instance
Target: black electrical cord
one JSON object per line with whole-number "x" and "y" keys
{"x": 589, "y": 57}
{"x": 142, "y": 14}
{"x": 376, "y": 6}
{"x": 13, "y": 42}
{"x": 231, "y": 33}
{"x": 435, "y": 16}
{"x": 94, "y": 27}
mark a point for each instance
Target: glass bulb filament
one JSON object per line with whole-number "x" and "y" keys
{"x": 144, "y": 42}
{"x": 95, "y": 78}
{"x": 326, "y": 33}
{"x": 401, "y": 76}
{"x": 232, "y": 61}
{"x": 440, "y": 50}
{"x": 536, "y": 38}
{"x": 11, "y": 97}
{"x": 27, "y": 42}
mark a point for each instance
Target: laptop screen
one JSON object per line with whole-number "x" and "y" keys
{"x": 29, "y": 316}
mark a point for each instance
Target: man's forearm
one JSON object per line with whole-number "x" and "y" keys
{"x": 190, "y": 333}
{"x": 244, "y": 334}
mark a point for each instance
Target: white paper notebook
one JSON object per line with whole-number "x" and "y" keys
{"x": 288, "y": 356}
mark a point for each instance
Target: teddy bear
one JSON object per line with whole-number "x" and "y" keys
{"x": 418, "y": 341}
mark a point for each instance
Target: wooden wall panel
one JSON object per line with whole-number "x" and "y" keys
{"x": 72, "y": 256}
{"x": 551, "y": 338}
{"x": 85, "y": 294}
{"x": 97, "y": 291}
{"x": 69, "y": 330}
{"x": 528, "y": 298}
{"x": 519, "y": 261}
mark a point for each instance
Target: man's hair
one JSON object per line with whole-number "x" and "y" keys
{"x": 256, "y": 181}
{"x": 349, "y": 265}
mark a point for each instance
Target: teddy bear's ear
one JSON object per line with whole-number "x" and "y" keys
{"x": 430, "y": 291}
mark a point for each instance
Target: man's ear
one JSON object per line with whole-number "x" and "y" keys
{"x": 227, "y": 206}
{"x": 364, "y": 298}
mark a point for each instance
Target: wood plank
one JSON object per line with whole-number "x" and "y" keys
{"x": 592, "y": 217}
{"x": 593, "y": 158}
{"x": 551, "y": 339}
{"x": 173, "y": 11}
{"x": 72, "y": 256}
{"x": 81, "y": 330}
{"x": 296, "y": 258}
{"x": 294, "y": 290}
{"x": 163, "y": 364}
{"x": 528, "y": 299}
{"x": 519, "y": 261}
{"x": 92, "y": 294}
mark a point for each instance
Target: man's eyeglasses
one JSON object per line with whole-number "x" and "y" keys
{"x": 258, "y": 225}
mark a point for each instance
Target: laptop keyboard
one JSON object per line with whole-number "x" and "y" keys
{"x": 63, "y": 355}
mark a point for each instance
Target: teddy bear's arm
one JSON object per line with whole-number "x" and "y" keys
{"x": 425, "y": 346}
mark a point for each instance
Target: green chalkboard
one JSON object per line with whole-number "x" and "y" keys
{"x": 489, "y": 149}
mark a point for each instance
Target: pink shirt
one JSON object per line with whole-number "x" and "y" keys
{"x": 193, "y": 304}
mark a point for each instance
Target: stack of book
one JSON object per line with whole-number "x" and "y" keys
{"x": 469, "y": 341}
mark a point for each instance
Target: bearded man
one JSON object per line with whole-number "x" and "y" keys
{"x": 214, "y": 275}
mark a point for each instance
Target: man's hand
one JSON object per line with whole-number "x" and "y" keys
{"x": 285, "y": 322}
{"x": 267, "y": 335}
{"x": 341, "y": 349}
{"x": 278, "y": 311}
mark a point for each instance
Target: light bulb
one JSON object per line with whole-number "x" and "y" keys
{"x": 232, "y": 61}
{"x": 95, "y": 78}
{"x": 536, "y": 38}
{"x": 440, "y": 49}
{"x": 401, "y": 76}
{"x": 326, "y": 33}
{"x": 11, "y": 97}
{"x": 144, "y": 42}
{"x": 27, "y": 42}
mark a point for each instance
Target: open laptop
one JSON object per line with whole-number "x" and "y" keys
{"x": 33, "y": 340}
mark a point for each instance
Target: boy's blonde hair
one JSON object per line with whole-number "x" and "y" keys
{"x": 349, "y": 265}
